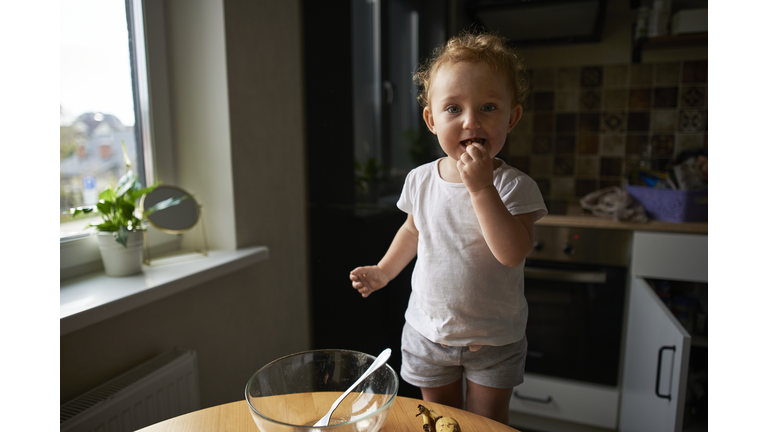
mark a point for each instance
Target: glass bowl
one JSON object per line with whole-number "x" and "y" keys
{"x": 292, "y": 393}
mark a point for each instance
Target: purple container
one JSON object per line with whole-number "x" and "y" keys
{"x": 671, "y": 205}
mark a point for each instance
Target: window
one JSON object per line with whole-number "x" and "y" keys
{"x": 101, "y": 80}
{"x": 104, "y": 100}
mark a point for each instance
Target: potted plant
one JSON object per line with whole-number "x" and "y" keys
{"x": 120, "y": 233}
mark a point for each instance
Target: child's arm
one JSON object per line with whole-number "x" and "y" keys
{"x": 510, "y": 237}
{"x": 368, "y": 279}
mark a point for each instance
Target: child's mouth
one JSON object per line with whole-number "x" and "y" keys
{"x": 467, "y": 142}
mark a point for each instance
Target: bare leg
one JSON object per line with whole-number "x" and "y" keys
{"x": 451, "y": 394}
{"x": 489, "y": 401}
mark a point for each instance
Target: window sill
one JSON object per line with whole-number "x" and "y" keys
{"x": 95, "y": 297}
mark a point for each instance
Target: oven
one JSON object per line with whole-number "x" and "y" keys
{"x": 575, "y": 286}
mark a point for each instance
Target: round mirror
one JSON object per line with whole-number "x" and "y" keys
{"x": 175, "y": 219}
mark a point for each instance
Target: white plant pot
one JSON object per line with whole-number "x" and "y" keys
{"x": 119, "y": 260}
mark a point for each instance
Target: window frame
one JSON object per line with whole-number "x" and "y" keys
{"x": 79, "y": 254}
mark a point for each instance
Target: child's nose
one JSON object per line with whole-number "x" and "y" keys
{"x": 471, "y": 120}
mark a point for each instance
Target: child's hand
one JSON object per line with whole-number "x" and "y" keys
{"x": 476, "y": 168}
{"x": 368, "y": 279}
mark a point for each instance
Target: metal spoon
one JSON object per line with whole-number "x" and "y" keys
{"x": 380, "y": 360}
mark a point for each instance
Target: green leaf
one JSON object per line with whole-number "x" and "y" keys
{"x": 121, "y": 236}
{"x": 125, "y": 183}
{"x": 136, "y": 194}
{"x": 105, "y": 226}
{"x": 126, "y": 159}
{"x": 107, "y": 195}
{"x": 164, "y": 204}
{"x": 104, "y": 207}
{"x": 84, "y": 210}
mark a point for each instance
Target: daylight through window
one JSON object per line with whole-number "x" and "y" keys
{"x": 96, "y": 104}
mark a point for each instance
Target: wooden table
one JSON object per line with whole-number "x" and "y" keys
{"x": 236, "y": 417}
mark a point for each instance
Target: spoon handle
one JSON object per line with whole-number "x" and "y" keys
{"x": 380, "y": 360}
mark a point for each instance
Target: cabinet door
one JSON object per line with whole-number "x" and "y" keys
{"x": 655, "y": 365}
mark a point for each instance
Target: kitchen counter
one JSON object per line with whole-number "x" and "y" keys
{"x": 575, "y": 216}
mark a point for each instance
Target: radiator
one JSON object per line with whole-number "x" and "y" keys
{"x": 163, "y": 387}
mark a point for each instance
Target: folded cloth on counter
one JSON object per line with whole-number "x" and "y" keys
{"x": 614, "y": 203}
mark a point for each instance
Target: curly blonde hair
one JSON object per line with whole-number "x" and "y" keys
{"x": 486, "y": 48}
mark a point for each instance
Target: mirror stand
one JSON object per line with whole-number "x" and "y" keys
{"x": 199, "y": 246}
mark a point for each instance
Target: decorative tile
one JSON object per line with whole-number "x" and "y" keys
{"x": 525, "y": 125}
{"x": 663, "y": 120}
{"x": 567, "y": 100}
{"x": 689, "y": 142}
{"x": 589, "y": 122}
{"x": 523, "y": 163}
{"x": 638, "y": 145}
{"x": 543, "y": 78}
{"x": 543, "y": 123}
{"x": 541, "y": 166}
{"x": 634, "y": 162}
{"x": 587, "y": 166}
{"x": 693, "y": 97}
{"x": 588, "y": 144}
{"x": 614, "y": 121}
{"x": 695, "y": 72}
{"x": 612, "y": 144}
{"x": 544, "y": 185}
{"x": 691, "y": 121}
{"x": 564, "y": 165}
{"x": 616, "y": 76}
{"x": 590, "y": 100}
{"x": 611, "y": 166}
{"x": 615, "y": 98}
{"x": 665, "y": 97}
{"x": 592, "y": 76}
{"x": 518, "y": 144}
{"x": 638, "y": 121}
{"x": 563, "y": 186}
{"x": 667, "y": 73}
{"x": 565, "y": 122}
{"x": 543, "y": 101}
{"x": 661, "y": 163}
{"x": 542, "y": 144}
{"x": 585, "y": 186}
{"x": 606, "y": 183}
{"x": 640, "y": 98}
{"x": 565, "y": 144}
{"x": 662, "y": 145}
{"x": 641, "y": 74}
{"x": 568, "y": 78}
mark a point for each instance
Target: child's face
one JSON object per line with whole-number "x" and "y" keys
{"x": 470, "y": 103}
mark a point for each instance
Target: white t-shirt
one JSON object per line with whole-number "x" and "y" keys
{"x": 461, "y": 294}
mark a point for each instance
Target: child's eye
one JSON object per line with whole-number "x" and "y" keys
{"x": 488, "y": 107}
{"x": 453, "y": 109}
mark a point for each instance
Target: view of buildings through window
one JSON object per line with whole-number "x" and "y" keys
{"x": 96, "y": 102}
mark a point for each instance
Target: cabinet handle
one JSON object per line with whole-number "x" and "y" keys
{"x": 658, "y": 372}
{"x": 533, "y": 399}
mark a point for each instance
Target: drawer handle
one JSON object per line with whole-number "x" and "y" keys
{"x": 548, "y": 400}
{"x": 658, "y": 372}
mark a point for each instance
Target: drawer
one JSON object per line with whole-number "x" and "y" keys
{"x": 670, "y": 256}
{"x": 572, "y": 401}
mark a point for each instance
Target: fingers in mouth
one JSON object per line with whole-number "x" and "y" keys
{"x": 469, "y": 141}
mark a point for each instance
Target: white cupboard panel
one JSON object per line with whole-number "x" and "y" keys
{"x": 655, "y": 365}
{"x": 573, "y": 401}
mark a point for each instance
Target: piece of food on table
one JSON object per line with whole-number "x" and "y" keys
{"x": 437, "y": 423}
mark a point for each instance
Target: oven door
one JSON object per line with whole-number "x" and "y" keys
{"x": 574, "y": 320}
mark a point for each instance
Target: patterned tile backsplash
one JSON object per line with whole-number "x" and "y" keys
{"x": 585, "y": 128}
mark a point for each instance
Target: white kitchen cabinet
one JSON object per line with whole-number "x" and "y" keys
{"x": 655, "y": 364}
{"x": 657, "y": 346}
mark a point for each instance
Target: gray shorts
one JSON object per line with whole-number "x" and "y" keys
{"x": 428, "y": 364}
